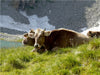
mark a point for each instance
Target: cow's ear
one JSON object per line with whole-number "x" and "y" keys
{"x": 26, "y": 34}
{"x": 32, "y": 31}
{"x": 31, "y": 35}
{"x": 47, "y": 33}
{"x": 90, "y": 32}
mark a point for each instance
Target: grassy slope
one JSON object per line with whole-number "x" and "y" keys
{"x": 82, "y": 60}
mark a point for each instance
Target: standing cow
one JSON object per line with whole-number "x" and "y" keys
{"x": 58, "y": 38}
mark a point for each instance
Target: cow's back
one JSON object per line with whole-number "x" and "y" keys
{"x": 65, "y": 38}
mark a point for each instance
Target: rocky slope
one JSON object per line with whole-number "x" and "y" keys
{"x": 71, "y": 14}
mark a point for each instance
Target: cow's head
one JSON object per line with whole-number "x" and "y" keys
{"x": 40, "y": 36}
{"x": 29, "y": 38}
{"x": 92, "y": 33}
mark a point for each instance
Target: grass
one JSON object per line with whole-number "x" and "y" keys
{"x": 81, "y": 60}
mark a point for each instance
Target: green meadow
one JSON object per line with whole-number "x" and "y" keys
{"x": 81, "y": 60}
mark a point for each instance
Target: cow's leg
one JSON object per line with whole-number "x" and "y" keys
{"x": 55, "y": 48}
{"x": 41, "y": 50}
{"x": 34, "y": 50}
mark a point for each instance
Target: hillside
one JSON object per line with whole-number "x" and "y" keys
{"x": 50, "y": 14}
{"x": 81, "y": 60}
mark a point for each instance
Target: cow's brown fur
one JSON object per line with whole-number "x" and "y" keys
{"x": 93, "y": 34}
{"x": 28, "y": 40}
{"x": 60, "y": 38}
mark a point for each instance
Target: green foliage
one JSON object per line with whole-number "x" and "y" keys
{"x": 81, "y": 60}
{"x": 76, "y": 70}
{"x": 94, "y": 44}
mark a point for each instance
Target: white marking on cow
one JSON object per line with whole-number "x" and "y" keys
{"x": 38, "y": 31}
{"x": 31, "y": 35}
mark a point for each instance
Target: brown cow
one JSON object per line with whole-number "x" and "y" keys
{"x": 58, "y": 38}
{"x": 95, "y": 34}
{"x": 30, "y": 40}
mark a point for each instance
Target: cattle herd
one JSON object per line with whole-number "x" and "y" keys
{"x": 44, "y": 40}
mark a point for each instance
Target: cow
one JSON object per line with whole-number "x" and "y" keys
{"x": 93, "y": 34}
{"x": 30, "y": 40}
{"x": 58, "y": 38}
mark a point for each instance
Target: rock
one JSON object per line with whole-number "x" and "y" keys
{"x": 70, "y": 14}
{"x": 11, "y": 31}
{"x": 9, "y": 10}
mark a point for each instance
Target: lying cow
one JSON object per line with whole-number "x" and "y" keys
{"x": 58, "y": 38}
{"x": 95, "y": 34}
{"x": 30, "y": 40}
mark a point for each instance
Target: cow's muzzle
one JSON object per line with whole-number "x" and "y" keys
{"x": 24, "y": 42}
